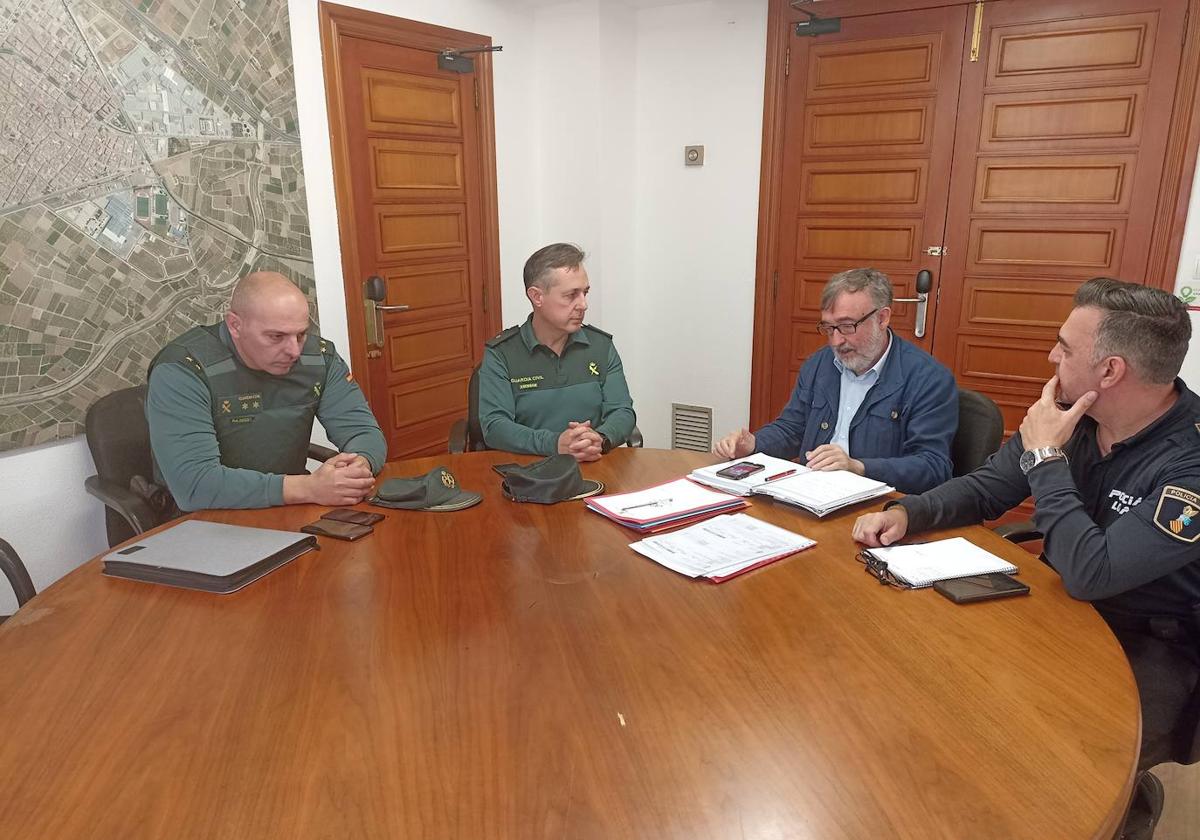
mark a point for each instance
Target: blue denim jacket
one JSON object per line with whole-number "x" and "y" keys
{"x": 902, "y": 431}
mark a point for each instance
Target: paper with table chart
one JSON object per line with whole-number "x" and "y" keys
{"x": 722, "y": 547}
{"x": 920, "y": 564}
{"x": 817, "y": 491}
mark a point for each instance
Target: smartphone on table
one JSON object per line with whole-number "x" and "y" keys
{"x": 964, "y": 590}
{"x": 740, "y": 470}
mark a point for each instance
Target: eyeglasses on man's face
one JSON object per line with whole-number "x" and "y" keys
{"x": 848, "y": 328}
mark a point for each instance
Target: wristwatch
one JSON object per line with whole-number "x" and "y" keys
{"x": 605, "y": 445}
{"x": 1030, "y": 458}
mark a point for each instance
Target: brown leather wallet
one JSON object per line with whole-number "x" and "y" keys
{"x": 337, "y": 530}
{"x": 357, "y": 517}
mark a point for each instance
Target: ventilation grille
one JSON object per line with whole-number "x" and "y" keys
{"x": 691, "y": 427}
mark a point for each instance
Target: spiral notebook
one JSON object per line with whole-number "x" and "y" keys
{"x": 920, "y": 564}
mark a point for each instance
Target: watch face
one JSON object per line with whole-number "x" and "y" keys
{"x": 1028, "y": 459}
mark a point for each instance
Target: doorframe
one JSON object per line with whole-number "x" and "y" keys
{"x": 336, "y": 21}
{"x": 1170, "y": 214}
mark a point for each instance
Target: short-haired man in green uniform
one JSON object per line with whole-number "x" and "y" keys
{"x": 231, "y": 408}
{"x": 554, "y": 385}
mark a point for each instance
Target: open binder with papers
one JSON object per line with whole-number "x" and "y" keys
{"x": 679, "y": 502}
{"x": 918, "y": 565}
{"x": 207, "y": 555}
{"x": 818, "y": 492}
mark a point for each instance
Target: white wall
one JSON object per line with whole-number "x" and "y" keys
{"x": 1187, "y": 276}
{"x": 46, "y": 515}
{"x": 699, "y": 82}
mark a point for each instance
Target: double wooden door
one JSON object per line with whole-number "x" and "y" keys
{"x": 1012, "y": 148}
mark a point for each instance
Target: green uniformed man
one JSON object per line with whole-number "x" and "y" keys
{"x": 231, "y": 407}
{"x": 554, "y": 385}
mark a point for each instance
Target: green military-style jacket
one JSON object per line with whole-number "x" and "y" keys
{"x": 224, "y": 435}
{"x": 528, "y": 394}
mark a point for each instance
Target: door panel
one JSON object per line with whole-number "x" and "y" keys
{"x": 414, "y": 171}
{"x": 869, "y": 134}
{"x": 1058, "y": 159}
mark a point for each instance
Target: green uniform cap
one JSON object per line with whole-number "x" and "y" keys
{"x": 436, "y": 490}
{"x": 550, "y": 480}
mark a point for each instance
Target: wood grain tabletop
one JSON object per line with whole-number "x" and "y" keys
{"x": 516, "y": 671}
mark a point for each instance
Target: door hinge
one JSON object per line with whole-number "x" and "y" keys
{"x": 475, "y": 84}
{"x": 774, "y": 286}
{"x": 937, "y": 251}
{"x": 787, "y": 63}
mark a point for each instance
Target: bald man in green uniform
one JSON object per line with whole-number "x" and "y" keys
{"x": 231, "y": 408}
{"x": 554, "y": 385}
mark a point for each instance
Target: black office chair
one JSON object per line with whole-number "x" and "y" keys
{"x": 119, "y": 439}
{"x": 980, "y": 431}
{"x": 17, "y": 574}
{"x": 466, "y": 434}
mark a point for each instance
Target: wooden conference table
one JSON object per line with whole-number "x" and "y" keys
{"x": 515, "y": 671}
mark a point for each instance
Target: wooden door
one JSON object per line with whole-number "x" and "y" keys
{"x": 414, "y": 163}
{"x": 869, "y": 135}
{"x": 1063, "y": 124}
{"x": 1072, "y": 157}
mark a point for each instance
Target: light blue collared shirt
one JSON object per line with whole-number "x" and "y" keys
{"x": 853, "y": 391}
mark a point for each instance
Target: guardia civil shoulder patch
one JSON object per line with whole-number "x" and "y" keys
{"x": 1178, "y": 513}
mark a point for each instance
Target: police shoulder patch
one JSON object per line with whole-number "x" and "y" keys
{"x": 1178, "y": 513}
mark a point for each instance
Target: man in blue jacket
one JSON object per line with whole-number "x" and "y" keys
{"x": 870, "y": 402}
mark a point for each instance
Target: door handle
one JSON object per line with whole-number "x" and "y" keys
{"x": 375, "y": 291}
{"x": 924, "y": 284}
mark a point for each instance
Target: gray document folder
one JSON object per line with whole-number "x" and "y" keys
{"x": 207, "y": 555}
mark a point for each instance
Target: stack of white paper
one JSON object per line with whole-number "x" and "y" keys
{"x": 823, "y": 492}
{"x": 722, "y": 547}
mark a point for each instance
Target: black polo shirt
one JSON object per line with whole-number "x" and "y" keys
{"x": 1121, "y": 529}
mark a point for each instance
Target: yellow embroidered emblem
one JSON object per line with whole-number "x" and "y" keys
{"x": 592, "y": 369}
{"x": 226, "y": 406}
{"x": 317, "y": 390}
{"x": 448, "y": 480}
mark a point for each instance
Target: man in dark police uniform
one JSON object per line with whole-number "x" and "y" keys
{"x": 554, "y": 385}
{"x": 1116, "y": 481}
{"x": 231, "y": 408}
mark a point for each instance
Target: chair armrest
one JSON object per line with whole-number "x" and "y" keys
{"x": 320, "y": 453}
{"x": 1019, "y": 532}
{"x": 136, "y": 510}
{"x": 635, "y": 438}
{"x": 458, "y": 436}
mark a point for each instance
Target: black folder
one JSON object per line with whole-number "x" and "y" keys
{"x": 207, "y": 556}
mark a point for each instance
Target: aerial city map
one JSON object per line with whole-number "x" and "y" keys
{"x": 149, "y": 157}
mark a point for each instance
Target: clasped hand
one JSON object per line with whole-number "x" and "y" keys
{"x": 581, "y": 442}
{"x": 345, "y": 479}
